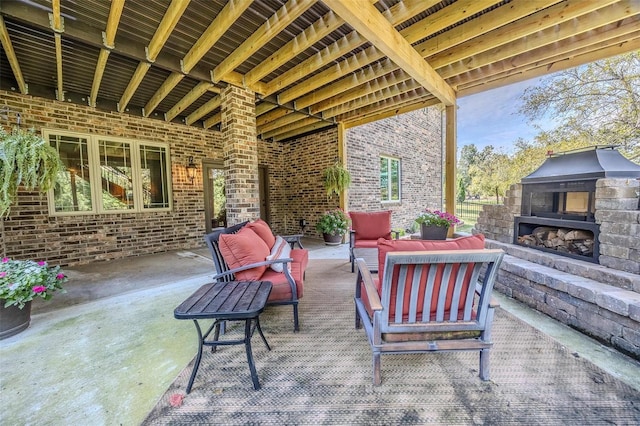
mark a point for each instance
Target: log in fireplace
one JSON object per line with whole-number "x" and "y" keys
{"x": 559, "y": 201}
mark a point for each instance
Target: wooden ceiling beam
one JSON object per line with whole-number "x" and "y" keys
{"x": 227, "y": 16}
{"x": 213, "y": 120}
{"x": 393, "y": 111}
{"x": 272, "y": 115}
{"x": 493, "y": 19}
{"x": 11, "y": 57}
{"x": 291, "y": 127}
{"x": 109, "y": 36}
{"x": 188, "y": 99}
{"x": 551, "y": 37}
{"x": 397, "y": 14}
{"x": 58, "y": 29}
{"x": 395, "y": 102}
{"x": 615, "y": 46}
{"x": 355, "y": 79}
{"x": 274, "y": 25}
{"x": 319, "y": 29}
{"x": 527, "y": 26}
{"x": 203, "y": 110}
{"x": 264, "y": 107}
{"x": 370, "y": 23}
{"x": 136, "y": 79}
{"x": 164, "y": 30}
{"x": 373, "y": 86}
{"x": 282, "y": 121}
{"x": 165, "y": 88}
{"x": 302, "y": 130}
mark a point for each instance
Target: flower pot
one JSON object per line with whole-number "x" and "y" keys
{"x": 430, "y": 232}
{"x": 13, "y": 320}
{"x": 332, "y": 240}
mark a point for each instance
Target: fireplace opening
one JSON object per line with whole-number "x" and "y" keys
{"x": 578, "y": 242}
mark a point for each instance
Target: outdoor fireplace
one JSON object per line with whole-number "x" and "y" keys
{"x": 559, "y": 201}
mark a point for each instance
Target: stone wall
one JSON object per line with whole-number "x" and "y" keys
{"x": 416, "y": 139}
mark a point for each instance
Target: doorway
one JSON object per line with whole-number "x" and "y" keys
{"x": 215, "y": 199}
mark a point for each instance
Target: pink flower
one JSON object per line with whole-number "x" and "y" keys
{"x": 176, "y": 399}
{"x": 39, "y": 289}
{"x": 3, "y": 274}
{"x": 5, "y": 259}
{"x": 42, "y": 263}
{"x": 60, "y": 276}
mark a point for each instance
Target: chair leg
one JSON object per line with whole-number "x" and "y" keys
{"x": 353, "y": 264}
{"x": 484, "y": 364}
{"x": 296, "y": 325}
{"x": 377, "y": 377}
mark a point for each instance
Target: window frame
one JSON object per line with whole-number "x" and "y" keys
{"x": 390, "y": 159}
{"x": 96, "y": 176}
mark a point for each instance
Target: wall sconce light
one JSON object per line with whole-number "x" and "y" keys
{"x": 191, "y": 170}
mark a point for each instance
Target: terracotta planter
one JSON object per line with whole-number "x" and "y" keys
{"x": 429, "y": 232}
{"x": 332, "y": 240}
{"x": 13, "y": 320}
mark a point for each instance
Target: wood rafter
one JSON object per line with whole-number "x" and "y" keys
{"x": 11, "y": 57}
{"x": 393, "y": 111}
{"x": 193, "y": 95}
{"x": 302, "y": 130}
{"x": 214, "y": 120}
{"x": 56, "y": 26}
{"x": 291, "y": 127}
{"x": 276, "y": 23}
{"x": 205, "y": 109}
{"x": 109, "y": 41}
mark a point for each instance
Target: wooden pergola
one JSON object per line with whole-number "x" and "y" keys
{"x": 312, "y": 64}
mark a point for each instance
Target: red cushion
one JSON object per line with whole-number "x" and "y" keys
{"x": 463, "y": 243}
{"x": 371, "y": 225}
{"x": 366, "y": 244}
{"x": 244, "y": 248}
{"x": 281, "y": 290}
{"x": 262, "y": 228}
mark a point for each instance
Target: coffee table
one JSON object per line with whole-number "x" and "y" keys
{"x": 370, "y": 256}
{"x": 232, "y": 301}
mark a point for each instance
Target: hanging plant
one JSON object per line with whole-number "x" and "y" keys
{"x": 28, "y": 160}
{"x": 336, "y": 179}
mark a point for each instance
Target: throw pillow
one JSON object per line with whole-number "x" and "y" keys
{"x": 262, "y": 228}
{"x": 280, "y": 250}
{"x": 244, "y": 248}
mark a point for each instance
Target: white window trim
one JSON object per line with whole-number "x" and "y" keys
{"x": 389, "y": 160}
{"x": 94, "y": 169}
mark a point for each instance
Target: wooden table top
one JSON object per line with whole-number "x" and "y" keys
{"x": 232, "y": 300}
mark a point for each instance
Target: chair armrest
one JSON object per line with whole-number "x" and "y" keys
{"x": 251, "y": 266}
{"x": 369, "y": 287}
{"x": 293, "y": 240}
{"x": 352, "y": 238}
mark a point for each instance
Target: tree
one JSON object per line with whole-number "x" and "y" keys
{"x": 598, "y": 104}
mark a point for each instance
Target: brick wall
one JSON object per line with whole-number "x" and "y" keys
{"x": 29, "y": 232}
{"x": 414, "y": 138}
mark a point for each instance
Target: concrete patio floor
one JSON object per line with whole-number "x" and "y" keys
{"x": 106, "y": 350}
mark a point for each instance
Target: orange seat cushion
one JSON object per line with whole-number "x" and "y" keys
{"x": 262, "y": 228}
{"x": 463, "y": 243}
{"x": 371, "y": 225}
{"x": 281, "y": 291}
{"x": 243, "y": 248}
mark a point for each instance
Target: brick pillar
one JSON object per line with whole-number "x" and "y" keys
{"x": 240, "y": 150}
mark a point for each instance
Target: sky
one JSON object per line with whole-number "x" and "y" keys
{"x": 492, "y": 118}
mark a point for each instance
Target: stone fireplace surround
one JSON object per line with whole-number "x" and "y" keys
{"x": 600, "y": 300}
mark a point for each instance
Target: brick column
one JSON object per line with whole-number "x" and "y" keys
{"x": 240, "y": 150}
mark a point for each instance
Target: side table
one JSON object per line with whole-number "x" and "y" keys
{"x": 232, "y": 301}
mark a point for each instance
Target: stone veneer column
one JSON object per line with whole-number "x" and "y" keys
{"x": 240, "y": 150}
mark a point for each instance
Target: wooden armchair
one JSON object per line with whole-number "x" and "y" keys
{"x": 366, "y": 228}
{"x": 428, "y": 301}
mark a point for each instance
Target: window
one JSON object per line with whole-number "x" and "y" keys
{"x": 109, "y": 175}
{"x": 389, "y": 179}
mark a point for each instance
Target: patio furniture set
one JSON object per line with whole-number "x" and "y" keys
{"x": 428, "y": 295}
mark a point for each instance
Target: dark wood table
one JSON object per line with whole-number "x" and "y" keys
{"x": 232, "y": 301}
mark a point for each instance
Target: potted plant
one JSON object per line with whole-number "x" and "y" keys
{"x": 336, "y": 179}
{"x": 21, "y": 281}
{"x": 27, "y": 159}
{"x": 434, "y": 225}
{"x": 333, "y": 225}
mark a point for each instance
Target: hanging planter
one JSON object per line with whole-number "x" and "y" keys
{"x": 336, "y": 179}
{"x": 28, "y": 160}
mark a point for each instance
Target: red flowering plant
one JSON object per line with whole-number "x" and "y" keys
{"x": 21, "y": 281}
{"x": 437, "y": 218}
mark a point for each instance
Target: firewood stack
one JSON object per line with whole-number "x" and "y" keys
{"x": 574, "y": 241}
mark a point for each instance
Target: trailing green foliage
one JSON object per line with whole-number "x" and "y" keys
{"x": 336, "y": 179}
{"x": 28, "y": 160}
